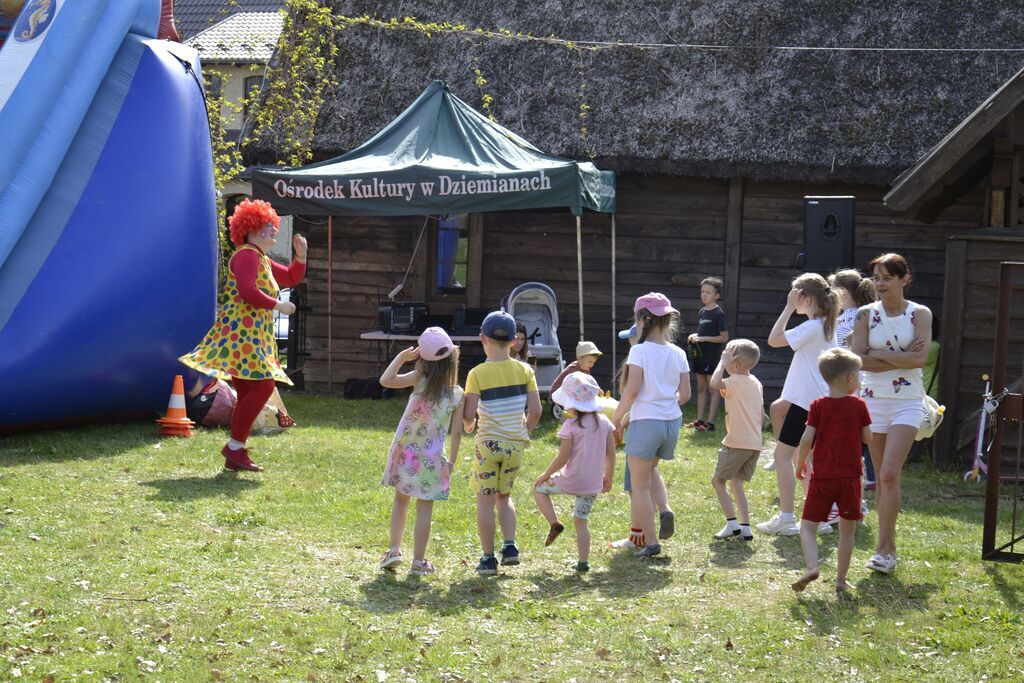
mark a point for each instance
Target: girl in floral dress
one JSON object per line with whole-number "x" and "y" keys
{"x": 417, "y": 466}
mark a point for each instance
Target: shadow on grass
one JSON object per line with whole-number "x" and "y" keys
{"x": 732, "y": 553}
{"x": 88, "y": 442}
{"x": 399, "y": 591}
{"x": 627, "y": 576}
{"x": 1011, "y": 593}
{"x": 873, "y": 592}
{"x": 227, "y": 484}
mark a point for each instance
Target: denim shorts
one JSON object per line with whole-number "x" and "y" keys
{"x": 650, "y": 439}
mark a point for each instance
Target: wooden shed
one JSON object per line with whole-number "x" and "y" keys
{"x": 714, "y": 151}
{"x": 983, "y": 154}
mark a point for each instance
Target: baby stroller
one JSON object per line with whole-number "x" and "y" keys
{"x": 534, "y": 304}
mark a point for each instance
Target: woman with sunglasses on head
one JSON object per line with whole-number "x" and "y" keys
{"x": 240, "y": 346}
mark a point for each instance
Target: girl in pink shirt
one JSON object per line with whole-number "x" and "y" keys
{"x": 584, "y": 464}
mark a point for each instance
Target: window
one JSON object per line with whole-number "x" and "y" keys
{"x": 214, "y": 85}
{"x": 451, "y": 255}
{"x": 250, "y": 91}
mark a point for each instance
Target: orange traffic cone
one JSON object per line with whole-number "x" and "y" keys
{"x": 176, "y": 423}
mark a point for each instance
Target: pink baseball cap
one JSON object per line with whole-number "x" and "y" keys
{"x": 655, "y": 302}
{"x": 435, "y": 344}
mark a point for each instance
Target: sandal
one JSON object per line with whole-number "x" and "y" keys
{"x": 284, "y": 420}
{"x": 553, "y": 533}
{"x": 883, "y": 564}
{"x": 422, "y": 568}
{"x": 391, "y": 558}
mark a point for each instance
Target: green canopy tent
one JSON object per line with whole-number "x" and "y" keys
{"x": 441, "y": 156}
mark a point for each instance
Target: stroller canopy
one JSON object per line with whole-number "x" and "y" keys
{"x": 534, "y": 304}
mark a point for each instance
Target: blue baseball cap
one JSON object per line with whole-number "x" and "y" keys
{"x": 499, "y": 325}
{"x": 626, "y": 334}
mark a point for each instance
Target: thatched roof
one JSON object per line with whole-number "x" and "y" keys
{"x": 861, "y": 116}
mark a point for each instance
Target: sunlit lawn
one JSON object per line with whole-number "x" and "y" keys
{"x": 124, "y": 555}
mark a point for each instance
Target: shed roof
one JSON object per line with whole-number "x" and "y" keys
{"x": 959, "y": 160}
{"x": 750, "y": 109}
{"x": 243, "y": 38}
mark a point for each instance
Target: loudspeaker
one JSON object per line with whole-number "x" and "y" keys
{"x": 828, "y": 233}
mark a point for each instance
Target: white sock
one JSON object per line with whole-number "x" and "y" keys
{"x": 235, "y": 445}
{"x": 731, "y": 524}
{"x": 787, "y": 516}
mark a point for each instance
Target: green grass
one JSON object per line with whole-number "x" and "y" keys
{"x": 124, "y": 555}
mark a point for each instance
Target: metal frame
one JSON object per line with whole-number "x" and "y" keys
{"x": 1009, "y": 414}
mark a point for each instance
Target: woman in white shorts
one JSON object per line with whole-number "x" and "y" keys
{"x": 892, "y": 337}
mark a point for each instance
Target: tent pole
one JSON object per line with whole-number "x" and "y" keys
{"x": 330, "y": 304}
{"x": 615, "y": 324}
{"x": 579, "y": 271}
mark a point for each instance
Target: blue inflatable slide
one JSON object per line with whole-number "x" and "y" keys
{"x": 108, "y": 243}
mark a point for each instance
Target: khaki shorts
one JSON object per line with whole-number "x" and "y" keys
{"x": 495, "y": 466}
{"x": 736, "y": 463}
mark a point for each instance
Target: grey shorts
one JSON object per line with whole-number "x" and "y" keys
{"x": 650, "y": 439}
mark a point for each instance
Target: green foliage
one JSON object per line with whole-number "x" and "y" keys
{"x": 298, "y": 81}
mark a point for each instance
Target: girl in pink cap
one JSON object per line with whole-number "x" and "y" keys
{"x": 417, "y": 466}
{"x": 658, "y": 383}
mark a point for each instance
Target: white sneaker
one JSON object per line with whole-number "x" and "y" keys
{"x": 769, "y": 466}
{"x": 824, "y": 528}
{"x": 884, "y": 564}
{"x": 623, "y": 544}
{"x": 727, "y": 532}
{"x": 776, "y": 525}
{"x": 833, "y": 514}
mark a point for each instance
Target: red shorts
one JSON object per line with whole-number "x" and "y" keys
{"x": 822, "y": 493}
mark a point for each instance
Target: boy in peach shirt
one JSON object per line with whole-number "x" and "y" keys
{"x": 744, "y": 411}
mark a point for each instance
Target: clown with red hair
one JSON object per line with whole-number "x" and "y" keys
{"x": 240, "y": 346}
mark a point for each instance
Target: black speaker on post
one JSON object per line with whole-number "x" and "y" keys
{"x": 828, "y": 233}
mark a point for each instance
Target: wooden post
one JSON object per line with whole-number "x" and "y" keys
{"x": 330, "y": 304}
{"x": 615, "y": 323}
{"x": 999, "y": 365}
{"x": 733, "y": 240}
{"x": 476, "y": 255}
{"x": 953, "y": 297}
{"x": 998, "y": 218}
{"x": 579, "y": 270}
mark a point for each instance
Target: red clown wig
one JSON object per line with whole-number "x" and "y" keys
{"x": 250, "y": 216}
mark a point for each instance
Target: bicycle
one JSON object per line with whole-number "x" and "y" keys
{"x": 986, "y": 431}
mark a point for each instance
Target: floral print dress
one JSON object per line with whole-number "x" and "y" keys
{"x": 417, "y": 465}
{"x": 241, "y": 342}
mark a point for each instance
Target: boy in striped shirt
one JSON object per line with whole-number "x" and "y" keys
{"x": 498, "y": 392}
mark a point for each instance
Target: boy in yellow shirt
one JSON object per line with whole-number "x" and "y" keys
{"x": 498, "y": 391}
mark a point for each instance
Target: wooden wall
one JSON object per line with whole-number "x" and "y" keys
{"x": 968, "y": 341}
{"x": 671, "y": 233}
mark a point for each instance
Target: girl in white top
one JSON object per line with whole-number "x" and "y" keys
{"x": 810, "y": 296}
{"x": 892, "y": 338}
{"x": 658, "y": 383}
{"x": 853, "y": 291}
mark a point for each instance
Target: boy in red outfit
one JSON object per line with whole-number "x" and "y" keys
{"x": 837, "y": 425}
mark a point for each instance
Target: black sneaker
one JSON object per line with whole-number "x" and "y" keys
{"x": 666, "y": 524}
{"x": 488, "y": 566}
{"x": 509, "y": 556}
{"x": 649, "y": 550}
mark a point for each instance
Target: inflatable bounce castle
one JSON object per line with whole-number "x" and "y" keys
{"x": 108, "y": 223}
